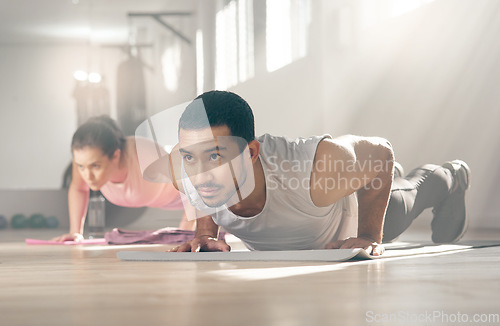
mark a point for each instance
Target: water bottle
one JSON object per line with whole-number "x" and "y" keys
{"x": 96, "y": 218}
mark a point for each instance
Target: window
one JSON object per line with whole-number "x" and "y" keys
{"x": 234, "y": 39}
{"x": 374, "y": 12}
{"x": 287, "y": 24}
{"x": 200, "y": 63}
{"x": 171, "y": 64}
{"x": 401, "y": 7}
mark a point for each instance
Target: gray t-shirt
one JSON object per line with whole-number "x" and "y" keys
{"x": 290, "y": 220}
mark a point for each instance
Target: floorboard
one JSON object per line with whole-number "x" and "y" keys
{"x": 88, "y": 285}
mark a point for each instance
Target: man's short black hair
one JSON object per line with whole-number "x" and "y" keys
{"x": 222, "y": 108}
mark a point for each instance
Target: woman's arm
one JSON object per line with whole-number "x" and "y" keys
{"x": 78, "y": 199}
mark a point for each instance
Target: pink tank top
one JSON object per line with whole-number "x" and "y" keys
{"x": 137, "y": 192}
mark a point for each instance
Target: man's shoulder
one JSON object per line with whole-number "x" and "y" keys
{"x": 268, "y": 139}
{"x": 290, "y": 157}
{"x": 283, "y": 146}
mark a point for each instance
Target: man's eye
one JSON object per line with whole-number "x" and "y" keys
{"x": 214, "y": 157}
{"x": 96, "y": 166}
{"x": 188, "y": 158}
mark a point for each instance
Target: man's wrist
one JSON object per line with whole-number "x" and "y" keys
{"x": 370, "y": 238}
{"x": 207, "y": 232}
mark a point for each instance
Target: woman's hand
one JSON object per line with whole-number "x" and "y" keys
{"x": 69, "y": 237}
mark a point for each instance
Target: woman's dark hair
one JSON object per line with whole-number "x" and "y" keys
{"x": 101, "y": 132}
{"x": 221, "y": 108}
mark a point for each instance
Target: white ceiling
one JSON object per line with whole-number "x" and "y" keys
{"x": 63, "y": 21}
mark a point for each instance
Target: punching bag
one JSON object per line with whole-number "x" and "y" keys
{"x": 131, "y": 95}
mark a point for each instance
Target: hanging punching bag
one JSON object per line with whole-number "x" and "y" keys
{"x": 131, "y": 95}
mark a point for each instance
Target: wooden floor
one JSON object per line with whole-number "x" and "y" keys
{"x": 76, "y": 285}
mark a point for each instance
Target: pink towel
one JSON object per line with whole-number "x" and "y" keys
{"x": 123, "y": 237}
{"x": 162, "y": 236}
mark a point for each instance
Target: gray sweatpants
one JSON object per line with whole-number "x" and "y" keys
{"x": 422, "y": 188}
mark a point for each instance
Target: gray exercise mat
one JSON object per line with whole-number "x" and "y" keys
{"x": 326, "y": 255}
{"x": 287, "y": 255}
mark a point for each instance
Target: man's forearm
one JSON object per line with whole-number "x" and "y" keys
{"x": 373, "y": 198}
{"x": 371, "y": 214}
{"x": 206, "y": 226}
{"x": 372, "y": 205}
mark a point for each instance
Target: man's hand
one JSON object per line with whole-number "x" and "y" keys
{"x": 68, "y": 237}
{"x": 373, "y": 248}
{"x": 202, "y": 243}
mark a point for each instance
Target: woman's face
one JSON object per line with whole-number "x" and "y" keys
{"x": 95, "y": 167}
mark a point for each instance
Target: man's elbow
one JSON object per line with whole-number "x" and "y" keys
{"x": 386, "y": 154}
{"x": 387, "y": 150}
{"x": 383, "y": 154}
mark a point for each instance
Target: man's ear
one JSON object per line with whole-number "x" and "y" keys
{"x": 254, "y": 148}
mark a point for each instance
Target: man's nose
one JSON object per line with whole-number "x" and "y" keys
{"x": 203, "y": 177}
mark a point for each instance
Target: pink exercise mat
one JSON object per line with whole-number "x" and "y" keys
{"x": 83, "y": 242}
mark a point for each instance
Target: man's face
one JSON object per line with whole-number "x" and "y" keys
{"x": 212, "y": 161}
